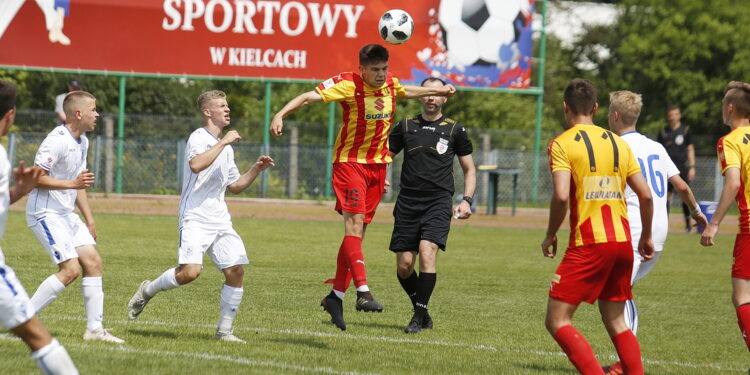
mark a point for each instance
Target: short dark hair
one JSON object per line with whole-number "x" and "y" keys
{"x": 373, "y": 54}
{"x": 738, "y": 94}
{"x": 672, "y": 107}
{"x": 432, "y": 79}
{"x": 7, "y": 97}
{"x": 580, "y": 96}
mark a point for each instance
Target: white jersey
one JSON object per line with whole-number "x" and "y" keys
{"x": 203, "y": 193}
{"x": 4, "y": 190}
{"x": 64, "y": 158}
{"x": 657, "y": 169}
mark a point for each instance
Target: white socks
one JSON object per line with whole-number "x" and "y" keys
{"x": 631, "y": 316}
{"x": 165, "y": 281}
{"x": 230, "y": 302}
{"x": 339, "y": 294}
{"x": 363, "y": 288}
{"x": 93, "y": 298}
{"x": 46, "y": 292}
{"x": 54, "y": 360}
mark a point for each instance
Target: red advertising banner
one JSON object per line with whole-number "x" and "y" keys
{"x": 483, "y": 43}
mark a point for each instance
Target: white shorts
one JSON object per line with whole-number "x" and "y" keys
{"x": 223, "y": 245}
{"x": 60, "y": 234}
{"x": 641, "y": 268}
{"x": 15, "y": 307}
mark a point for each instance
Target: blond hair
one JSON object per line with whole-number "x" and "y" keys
{"x": 207, "y": 96}
{"x": 628, "y": 104}
{"x": 738, "y": 94}
{"x": 72, "y": 102}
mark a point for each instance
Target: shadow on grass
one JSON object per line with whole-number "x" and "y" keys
{"x": 547, "y": 369}
{"x": 153, "y": 333}
{"x": 378, "y": 325}
{"x": 309, "y": 342}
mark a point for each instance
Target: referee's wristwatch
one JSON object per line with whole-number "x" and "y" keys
{"x": 468, "y": 199}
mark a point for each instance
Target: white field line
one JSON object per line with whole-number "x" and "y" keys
{"x": 655, "y": 362}
{"x": 213, "y": 357}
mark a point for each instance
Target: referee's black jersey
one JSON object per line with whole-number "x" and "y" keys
{"x": 429, "y": 149}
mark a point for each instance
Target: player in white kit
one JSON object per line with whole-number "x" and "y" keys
{"x": 16, "y": 311}
{"x": 658, "y": 170}
{"x": 50, "y": 213}
{"x": 204, "y": 222}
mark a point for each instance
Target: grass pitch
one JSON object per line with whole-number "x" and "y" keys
{"x": 488, "y": 306}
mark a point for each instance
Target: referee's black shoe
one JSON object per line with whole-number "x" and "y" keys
{"x": 426, "y": 321}
{"x": 366, "y": 302}
{"x": 333, "y": 305}
{"x": 416, "y": 324}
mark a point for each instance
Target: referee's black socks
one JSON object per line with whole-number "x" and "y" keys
{"x": 410, "y": 285}
{"x": 424, "y": 291}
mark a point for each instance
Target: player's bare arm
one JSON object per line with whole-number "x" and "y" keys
{"x": 646, "y": 205}
{"x": 264, "y": 162}
{"x": 558, "y": 207}
{"x": 277, "y": 123}
{"x": 26, "y": 180}
{"x": 413, "y": 92}
{"x": 691, "y": 162}
{"x": 204, "y": 160}
{"x": 686, "y": 194}
{"x": 463, "y": 209}
{"x": 731, "y": 187}
{"x": 84, "y": 180}
{"x": 82, "y": 202}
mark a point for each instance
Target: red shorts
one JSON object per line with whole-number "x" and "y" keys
{"x": 598, "y": 271}
{"x": 358, "y": 187}
{"x": 741, "y": 254}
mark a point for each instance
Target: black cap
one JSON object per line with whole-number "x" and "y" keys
{"x": 75, "y": 84}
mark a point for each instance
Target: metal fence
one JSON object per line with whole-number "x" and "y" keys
{"x": 154, "y": 165}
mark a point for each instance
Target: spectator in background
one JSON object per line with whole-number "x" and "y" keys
{"x": 74, "y": 85}
{"x": 675, "y": 137}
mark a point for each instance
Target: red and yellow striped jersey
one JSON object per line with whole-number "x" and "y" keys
{"x": 599, "y": 163}
{"x": 367, "y": 117}
{"x": 733, "y": 150}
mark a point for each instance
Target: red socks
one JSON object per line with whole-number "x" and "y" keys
{"x": 352, "y": 245}
{"x": 350, "y": 262}
{"x": 629, "y": 351}
{"x": 743, "y": 320}
{"x": 578, "y": 350}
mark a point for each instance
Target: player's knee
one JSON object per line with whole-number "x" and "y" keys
{"x": 91, "y": 263}
{"x": 553, "y": 324}
{"x": 405, "y": 268}
{"x": 69, "y": 273}
{"x": 187, "y": 274}
{"x": 236, "y": 273}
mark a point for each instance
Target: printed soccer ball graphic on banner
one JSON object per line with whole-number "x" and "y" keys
{"x": 481, "y": 32}
{"x": 396, "y": 26}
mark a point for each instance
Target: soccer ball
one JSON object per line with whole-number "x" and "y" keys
{"x": 396, "y": 26}
{"x": 481, "y": 32}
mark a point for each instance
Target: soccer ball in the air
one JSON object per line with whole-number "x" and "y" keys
{"x": 481, "y": 32}
{"x": 396, "y": 26}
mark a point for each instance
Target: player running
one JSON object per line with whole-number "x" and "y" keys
{"x": 733, "y": 150}
{"x": 368, "y": 101}
{"x": 70, "y": 243}
{"x": 658, "y": 170}
{"x": 590, "y": 167}
{"x": 16, "y": 311}
{"x": 205, "y": 224}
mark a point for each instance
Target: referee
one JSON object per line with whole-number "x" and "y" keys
{"x": 424, "y": 205}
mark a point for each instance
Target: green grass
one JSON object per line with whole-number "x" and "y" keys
{"x": 488, "y": 306}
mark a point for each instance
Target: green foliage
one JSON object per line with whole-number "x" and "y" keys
{"x": 679, "y": 52}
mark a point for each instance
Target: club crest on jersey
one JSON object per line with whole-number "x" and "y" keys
{"x": 48, "y": 163}
{"x": 679, "y": 139}
{"x": 442, "y": 146}
{"x": 602, "y": 188}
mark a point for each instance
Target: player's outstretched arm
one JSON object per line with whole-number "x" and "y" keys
{"x": 25, "y": 180}
{"x": 264, "y": 162}
{"x": 203, "y": 160}
{"x": 413, "y": 92}
{"x": 640, "y": 187}
{"x": 731, "y": 187}
{"x": 463, "y": 209}
{"x": 558, "y": 207}
{"x": 85, "y": 179}
{"x": 683, "y": 189}
{"x": 277, "y": 123}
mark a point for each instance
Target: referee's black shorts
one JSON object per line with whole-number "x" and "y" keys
{"x": 421, "y": 216}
